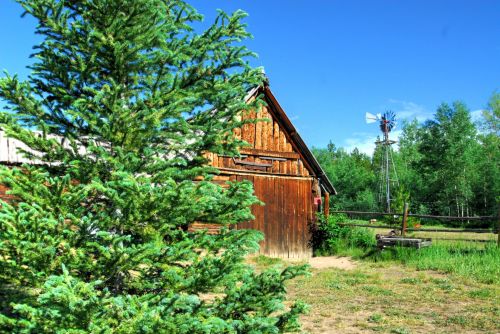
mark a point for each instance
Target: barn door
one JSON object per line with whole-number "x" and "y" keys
{"x": 285, "y": 217}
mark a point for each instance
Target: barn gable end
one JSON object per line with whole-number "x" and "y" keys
{"x": 285, "y": 175}
{"x": 275, "y": 145}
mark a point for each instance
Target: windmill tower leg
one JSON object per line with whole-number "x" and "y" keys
{"x": 387, "y": 179}
{"x": 387, "y": 123}
{"x": 381, "y": 180}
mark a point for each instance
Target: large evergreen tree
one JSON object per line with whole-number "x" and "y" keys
{"x": 123, "y": 101}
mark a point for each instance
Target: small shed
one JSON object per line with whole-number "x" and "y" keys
{"x": 286, "y": 177}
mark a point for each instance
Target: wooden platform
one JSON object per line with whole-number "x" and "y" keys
{"x": 391, "y": 241}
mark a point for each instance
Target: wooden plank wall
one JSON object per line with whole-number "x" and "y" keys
{"x": 281, "y": 179}
{"x": 265, "y": 135}
{"x": 3, "y": 194}
{"x": 285, "y": 218}
{"x": 267, "y": 139}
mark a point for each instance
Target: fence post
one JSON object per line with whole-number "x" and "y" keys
{"x": 326, "y": 208}
{"x": 405, "y": 220}
{"x": 498, "y": 226}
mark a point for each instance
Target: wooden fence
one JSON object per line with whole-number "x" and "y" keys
{"x": 406, "y": 214}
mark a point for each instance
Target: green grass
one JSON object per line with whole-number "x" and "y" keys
{"x": 481, "y": 293}
{"x": 262, "y": 260}
{"x": 376, "y": 318}
{"x": 449, "y": 287}
{"x": 466, "y": 260}
{"x": 470, "y": 260}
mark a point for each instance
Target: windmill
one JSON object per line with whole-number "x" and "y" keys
{"x": 388, "y": 178}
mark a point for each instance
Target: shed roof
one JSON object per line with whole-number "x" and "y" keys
{"x": 9, "y": 151}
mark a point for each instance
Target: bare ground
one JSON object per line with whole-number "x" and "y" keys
{"x": 324, "y": 262}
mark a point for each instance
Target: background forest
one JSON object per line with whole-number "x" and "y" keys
{"x": 448, "y": 165}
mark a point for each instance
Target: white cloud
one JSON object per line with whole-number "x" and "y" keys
{"x": 365, "y": 142}
{"x": 407, "y": 110}
{"x": 476, "y": 115}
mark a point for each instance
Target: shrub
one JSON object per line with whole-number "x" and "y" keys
{"x": 331, "y": 238}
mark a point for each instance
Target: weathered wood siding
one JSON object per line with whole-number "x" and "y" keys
{"x": 271, "y": 149}
{"x": 285, "y": 217}
{"x": 282, "y": 179}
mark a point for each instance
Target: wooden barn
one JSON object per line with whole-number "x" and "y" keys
{"x": 286, "y": 177}
{"x": 284, "y": 172}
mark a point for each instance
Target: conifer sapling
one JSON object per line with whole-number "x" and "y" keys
{"x": 123, "y": 101}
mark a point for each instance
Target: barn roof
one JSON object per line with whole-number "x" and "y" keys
{"x": 301, "y": 146}
{"x": 11, "y": 150}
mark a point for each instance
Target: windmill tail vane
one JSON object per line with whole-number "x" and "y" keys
{"x": 371, "y": 118}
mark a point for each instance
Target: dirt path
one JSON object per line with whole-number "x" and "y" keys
{"x": 324, "y": 262}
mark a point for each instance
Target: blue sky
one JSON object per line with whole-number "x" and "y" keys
{"x": 330, "y": 61}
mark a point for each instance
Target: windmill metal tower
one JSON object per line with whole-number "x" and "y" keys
{"x": 388, "y": 177}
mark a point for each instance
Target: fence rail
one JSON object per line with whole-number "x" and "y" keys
{"x": 404, "y": 223}
{"x": 410, "y": 229}
{"x": 371, "y": 213}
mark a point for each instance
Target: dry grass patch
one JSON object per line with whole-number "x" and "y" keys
{"x": 391, "y": 298}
